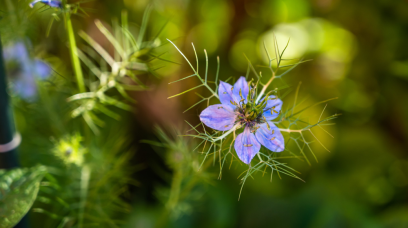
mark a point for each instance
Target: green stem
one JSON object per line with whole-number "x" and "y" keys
{"x": 74, "y": 54}
{"x": 85, "y": 177}
{"x": 173, "y": 197}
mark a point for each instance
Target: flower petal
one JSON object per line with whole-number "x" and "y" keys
{"x": 52, "y": 3}
{"x": 41, "y": 69}
{"x": 271, "y": 139}
{"x": 273, "y": 108}
{"x": 225, "y": 94}
{"x": 246, "y": 146}
{"x": 219, "y": 117}
{"x": 242, "y": 85}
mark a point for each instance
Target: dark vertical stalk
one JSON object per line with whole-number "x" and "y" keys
{"x": 9, "y": 159}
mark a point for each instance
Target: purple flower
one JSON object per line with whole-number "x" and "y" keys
{"x": 238, "y": 107}
{"x": 24, "y": 71}
{"x": 52, "y": 3}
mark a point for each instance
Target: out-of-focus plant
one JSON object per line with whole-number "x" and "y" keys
{"x": 18, "y": 190}
{"x": 92, "y": 188}
{"x": 90, "y": 174}
{"x": 186, "y": 178}
{"x": 120, "y": 72}
{"x": 24, "y": 71}
{"x": 244, "y": 119}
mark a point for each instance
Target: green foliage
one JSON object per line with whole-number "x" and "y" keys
{"x": 187, "y": 177}
{"x": 18, "y": 190}
{"x": 109, "y": 76}
{"x": 94, "y": 193}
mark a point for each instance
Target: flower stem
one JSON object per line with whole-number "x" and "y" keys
{"x": 264, "y": 88}
{"x": 74, "y": 54}
{"x": 85, "y": 177}
{"x": 173, "y": 197}
{"x": 226, "y": 133}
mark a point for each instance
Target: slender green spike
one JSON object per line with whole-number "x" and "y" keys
{"x": 90, "y": 123}
{"x": 98, "y": 48}
{"x": 296, "y": 96}
{"x": 195, "y": 105}
{"x": 195, "y": 71}
{"x": 124, "y": 20}
{"x": 115, "y": 102}
{"x": 74, "y": 55}
{"x": 122, "y": 91}
{"x": 196, "y": 56}
{"x": 185, "y": 91}
{"x": 295, "y": 64}
{"x": 108, "y": 112}
{"x": 269, "y": 58}
{"x": 247, "y": 73}
{"x": 111, "y": 39}
{"x": 193, "y": 75}
{"x": 206, "y": 65}
{"x": 276, "y": 51}
{"x": 321, "y": 102}
{"x": 252, "y": 67}
{"x": 161, "y": 30}
{"x": 287, "y": 44}
{"x": 94, "y": 69}
{"x": 131, "y": 39}
{"x": 218, "y": 71}
{"x": 143, "y": 27}
{"x": 49, "y": 26}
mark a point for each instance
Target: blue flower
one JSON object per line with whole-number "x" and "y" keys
{"x": 52, "y": 3}
{"x": 24, "y": 71}
{"x": 238, "y": 107}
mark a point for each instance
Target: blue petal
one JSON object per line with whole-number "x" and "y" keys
{"x": 219, "y": 117}
{"x": 52, "y": 3}
{"x": 41, "y": 69}
{"x": 242, "y": 85}
{"x": 225, "y": 94}
{"x": 26, "y": 88}
{"x": 16, "y": 52}
{"x": 273, "y": 108}
{"x": 246, "y": 146}
{"x": 271, "y": 139}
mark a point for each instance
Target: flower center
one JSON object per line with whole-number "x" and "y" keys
{"x": 249, "y": 115}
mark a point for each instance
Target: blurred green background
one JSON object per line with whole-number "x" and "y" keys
{"x": 359, "y": 55}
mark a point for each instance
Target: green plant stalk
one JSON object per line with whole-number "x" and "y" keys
{"x": 85, "y": 177}
{"x": 74, "y": 54}
{"x": 173, "y": 197}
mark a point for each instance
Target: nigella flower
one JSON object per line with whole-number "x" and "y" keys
{"x": 52, "y": 3}
{"x": 238, "y": 107}
{"x": 24, "y": 71}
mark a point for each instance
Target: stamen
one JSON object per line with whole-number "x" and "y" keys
{"x": 220, "y": 107}
{"x": 248, "y": 145}
{"x": 272, "y": 138}
{"x": 232, "y": 88}
{"x": 224, "y": 92}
